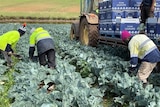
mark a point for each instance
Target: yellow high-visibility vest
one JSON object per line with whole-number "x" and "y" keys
{"x": 38, "y": 35}
{"x": 11, "y": 37}
{"x": 140, "y": 45}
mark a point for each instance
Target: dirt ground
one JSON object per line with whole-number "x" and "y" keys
{"x": 35, "y": 8}
{"x": 47, "y": 8}
{"x": 34, "y": 20}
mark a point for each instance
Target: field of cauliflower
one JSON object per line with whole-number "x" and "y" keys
{"x": 82, "y": 78}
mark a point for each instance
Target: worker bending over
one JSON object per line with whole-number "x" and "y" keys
{"x": 8, "y": 42}
{"x": 143, "y": 48}
{"x": 45, "y": 47}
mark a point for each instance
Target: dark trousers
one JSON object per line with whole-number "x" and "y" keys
{"x": 47, "y": 58}
{"x": 145, "y": 13}
{"x": 7, "y": 58}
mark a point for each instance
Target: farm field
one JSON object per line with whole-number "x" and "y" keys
{"x": 38, "y": 9}
{"x": 84, "y": 76}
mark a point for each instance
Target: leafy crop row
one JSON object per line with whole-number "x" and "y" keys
{"x": 82, "y": 77}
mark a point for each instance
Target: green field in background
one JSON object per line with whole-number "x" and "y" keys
{"x": 40, "y": 8}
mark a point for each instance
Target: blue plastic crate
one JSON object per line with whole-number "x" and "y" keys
{"x": 131, "y": 13}
{"x": 158, "y": 27}
{"x": 118, "y": 4}
{"x": 102, "y": 16}
{"x": 157, "y": 3}
{"x": 157, "y": 14}
{"x": 103, "y": 5}
{"x": 129, "y": 24}
{"x": 135, "y": 4}
{"x": 152, "y": 27}
{"x": 107, "y": 29}
{"x": 106, "y": 34}
{"x": 113, "y": 14}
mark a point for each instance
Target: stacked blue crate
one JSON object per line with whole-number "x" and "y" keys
{"x": 118, "y": 15}
{"x": 110, "y": 10}
{"x": 153, "y": 24}
{"x": 152, "y": 27}
{"x": 158, "y": 31}
{"x": 157, "y": 15}
{"x": 129, "y": 24}
{"x": 157, "y": 9}
{"x": 134, "y": 10}
{"x": 131, "y": 20}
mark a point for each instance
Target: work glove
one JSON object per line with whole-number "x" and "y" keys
{"x": 34, "y": 58}
{"x": 132, "y": 70}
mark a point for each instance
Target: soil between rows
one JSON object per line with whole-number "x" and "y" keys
{"x": 35, "y": 20}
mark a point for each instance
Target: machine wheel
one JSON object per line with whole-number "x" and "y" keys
{"x": 74, "y": 32}
{"x": 88, "y": 33}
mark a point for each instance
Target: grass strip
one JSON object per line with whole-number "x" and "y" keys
{"x": 4, "y": 100}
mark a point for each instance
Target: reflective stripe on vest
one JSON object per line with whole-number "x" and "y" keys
{"x": 38, "y": 39}
{"x": 144, "y": 43}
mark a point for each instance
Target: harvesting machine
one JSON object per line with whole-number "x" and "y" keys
{"x": 113, "y": 16}
{"x": 101, "y": 21}
{"x": 86, "y": 29}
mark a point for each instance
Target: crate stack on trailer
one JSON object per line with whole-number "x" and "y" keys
{"x": 118, "y": 15}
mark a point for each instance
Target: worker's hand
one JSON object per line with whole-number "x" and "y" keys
{"x": 34, "y": 58}
{"x": 30, "y": 58}
{"x": 10, "y": 53}
{"x": 132, "y": 69}
{"x": 18, "y": 56}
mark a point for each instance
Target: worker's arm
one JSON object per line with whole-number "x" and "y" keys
{"x": 31, "y": 52}
{"x": 133, "y": 48}
{"x": 134, "y": 61}
{"x": 8, "y": 48}
{"x": 32, "y": 43}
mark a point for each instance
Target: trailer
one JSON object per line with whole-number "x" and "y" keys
{"x": 101, "y": 21}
